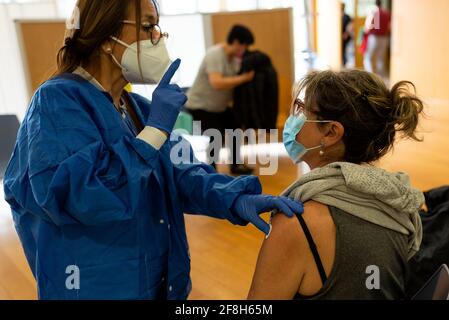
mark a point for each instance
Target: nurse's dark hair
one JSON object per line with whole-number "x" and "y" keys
{"x": 98, "y": 21}
{"x": 372, "y": 115}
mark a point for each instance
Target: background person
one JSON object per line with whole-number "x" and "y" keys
{"x": 347, "y": 33}
{"x": 210, "y": 97}
{"x": 378, "y": 28}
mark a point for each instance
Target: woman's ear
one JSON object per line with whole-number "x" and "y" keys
{"x": 106, "y": 47}
{"x": 334, "y": 133}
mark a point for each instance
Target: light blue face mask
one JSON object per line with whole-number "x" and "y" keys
{"x": 292, "y": 127}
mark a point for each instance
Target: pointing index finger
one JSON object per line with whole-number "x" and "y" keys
{"x": 170, "y": 73}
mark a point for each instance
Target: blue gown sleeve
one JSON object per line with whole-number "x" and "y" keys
{"x": 75, "y": 177}
{"x": 205, "y": 192}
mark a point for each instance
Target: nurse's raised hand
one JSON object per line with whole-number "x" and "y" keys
{"x": 167, "y": 102}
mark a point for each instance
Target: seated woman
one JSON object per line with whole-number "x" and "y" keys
{"x": 360, "y": 224}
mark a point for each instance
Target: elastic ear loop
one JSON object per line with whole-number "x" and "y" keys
{"x": 322, "y": 146}
{"x": 116, "y": 61}
{"x": 113, "y": 57}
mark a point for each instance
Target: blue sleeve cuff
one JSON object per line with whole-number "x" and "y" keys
{"x": 240, "y": 186}
{"x": 145, "y": 150}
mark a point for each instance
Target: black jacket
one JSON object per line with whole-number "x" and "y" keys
{"x": 256, "y": 104}
{"x": 434, "y": 249}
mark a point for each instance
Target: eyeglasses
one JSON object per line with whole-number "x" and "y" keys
{"x": 153, "y": 31}
{"x": 299, "y": 108}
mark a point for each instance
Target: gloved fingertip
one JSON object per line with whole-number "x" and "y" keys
{"x": 262, "y": 226}
{"x": 175, "y": 64}
{"x": 295, "y": 205}
{"x": 165, "y": 81}
{"x": 289, "y": 213}
{"x": 285, "y": 208}
{"x": 299, "y": 207}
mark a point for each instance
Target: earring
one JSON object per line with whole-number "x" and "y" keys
{"x": 322, "y": 149}
{"x": 109, "y": 50}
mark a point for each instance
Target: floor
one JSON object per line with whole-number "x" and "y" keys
{"x": 224, "y": 256}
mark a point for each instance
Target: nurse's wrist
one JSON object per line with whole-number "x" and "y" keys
{"x": 153, "y": 136}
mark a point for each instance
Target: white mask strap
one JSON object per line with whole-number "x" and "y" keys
{"x": 116, "y": 61}
{"x": 112, "y": 55}
{"x": 122, "y": 43}
{"x": 314, "y": 148}
{"x": 319, "y": 121}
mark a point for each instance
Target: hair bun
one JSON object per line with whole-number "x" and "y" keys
{"x": 407, "y": 108}
{"x": 69, "y": 42}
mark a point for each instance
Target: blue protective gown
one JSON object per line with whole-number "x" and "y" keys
{"x": 85, "y": 192}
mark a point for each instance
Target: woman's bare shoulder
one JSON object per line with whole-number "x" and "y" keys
{"x": 315, "y": 215}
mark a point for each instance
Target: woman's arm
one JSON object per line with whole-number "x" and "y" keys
{"x": 279, "y": 268}
{"x": 286, "y": 265}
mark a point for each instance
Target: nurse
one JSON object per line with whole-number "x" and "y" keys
{"x": 96, "y": 200}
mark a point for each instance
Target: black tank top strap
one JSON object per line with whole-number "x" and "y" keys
{"x": 313, "y": 248}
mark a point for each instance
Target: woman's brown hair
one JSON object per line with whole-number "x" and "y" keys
{"x": 98, "y": 21}
{"x": 370, "y": 113}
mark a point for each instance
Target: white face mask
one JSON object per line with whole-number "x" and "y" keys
{"x": 154, "y": 61}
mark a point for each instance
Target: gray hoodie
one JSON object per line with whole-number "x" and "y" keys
{"x": 370, "y": 193}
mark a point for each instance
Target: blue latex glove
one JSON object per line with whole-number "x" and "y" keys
{"x": 167, "y": 102}
{"x": 249, "y": 207}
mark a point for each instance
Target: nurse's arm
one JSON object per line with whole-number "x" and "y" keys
{"x": 214, "y": 194}
{"x": 203, "y": 191}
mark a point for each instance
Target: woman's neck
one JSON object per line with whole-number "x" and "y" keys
{"x": 322, "y": 162}
{"x": 109, "y": 75}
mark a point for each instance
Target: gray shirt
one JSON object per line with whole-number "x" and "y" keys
{"x": 366, "y": 255}
{"x": 202, "y": 96}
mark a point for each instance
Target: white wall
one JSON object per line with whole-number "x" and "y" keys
{"x": 420, "y": 46}
{"x": 329, "y": 34}
{"x": 13, "y": 92}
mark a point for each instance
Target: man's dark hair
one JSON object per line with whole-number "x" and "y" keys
{"x": 242, "y": 34}
{"x": 379, "y": 3}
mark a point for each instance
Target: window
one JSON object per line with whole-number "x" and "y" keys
{"x": 65, "y": 8}
{"x": 208, "y": 5}
{"x": 238, "y": 5}
{"x": 171, "y": 7}
{"x": 271, "y": 4}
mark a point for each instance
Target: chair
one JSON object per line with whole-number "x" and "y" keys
{"x": 9, "y": 126}
{"x": 437, "y": 287}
